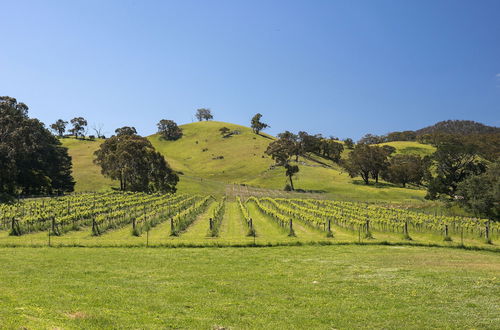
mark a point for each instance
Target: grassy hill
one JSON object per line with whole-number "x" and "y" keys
{"x": 87, "y": 175}
{"x": 203, "y": 153}
{"x": 209, "y": 163}
{"x": 411, "y": 148}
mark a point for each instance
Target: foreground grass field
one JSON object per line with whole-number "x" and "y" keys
{"x": 271, "y": 288}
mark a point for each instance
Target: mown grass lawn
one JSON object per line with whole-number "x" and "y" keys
{"x": 240, "y": 288}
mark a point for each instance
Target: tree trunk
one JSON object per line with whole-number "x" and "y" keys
{"x": 121, "y": 181}
{"x": 291, "y": 182}
{"x": 366, "y": 177}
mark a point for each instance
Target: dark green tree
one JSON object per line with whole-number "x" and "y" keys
{"x": 59, "y": 127}
{"x": 454, "y": 162}
{"x": 371, "y": 139}
{"x": 401, "y": 136}
{"x": 257, "y": 125}
{"x": 32, "y": 160}
{"x": 204, "y": 114}
{"x": 366, "y": 161}
{"x": 79, "y": 124}
{"x": 379, "y": 158}
{"x": 224, "y": 131}
{"x": 331, "y": 149}
{"x": 404, "y": 169}
{"x": 294, "y": 143}
{"x": 310, "y": 143}
{"x": 133, "y": 161}
{"x": 349, "y": 143}
{"x": 389, "y": 149}
{"x": 126, "y": 130}
{"x": 481, "y": 193}
{"x": 281, "y": 151}
{"x": 169, "y": 130}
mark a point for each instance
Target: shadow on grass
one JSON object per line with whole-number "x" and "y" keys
{"x": 375, "y": 185}
{"x": 263, "y": 245}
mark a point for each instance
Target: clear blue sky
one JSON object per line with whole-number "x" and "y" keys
{"x": 342, "y": 68}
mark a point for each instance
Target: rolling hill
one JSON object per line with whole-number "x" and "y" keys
{"x": 459, "y": 127}
{"x": 210, "y": 163}
{"x": 411, "y": 148}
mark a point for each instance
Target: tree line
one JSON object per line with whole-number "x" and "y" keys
{"x": 32, "y": 160}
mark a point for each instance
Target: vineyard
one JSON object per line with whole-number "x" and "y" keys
{"x": 115, "y": 218}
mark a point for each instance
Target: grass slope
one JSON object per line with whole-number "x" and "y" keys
{"x": 196, "y": 153}
{"x": 244, "y": 162}
{"x": 87, "y": 175}
{"x": 411, "y": 148}
{"x": 330, "y": 287}
{"x": 209, "y": 162}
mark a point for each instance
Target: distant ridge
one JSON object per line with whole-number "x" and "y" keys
{"x": 462, "y": 127}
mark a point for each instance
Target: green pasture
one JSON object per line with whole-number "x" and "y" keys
{"x": 306, "y": 287}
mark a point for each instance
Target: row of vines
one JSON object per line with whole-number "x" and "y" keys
{"x": 363, "y": 218}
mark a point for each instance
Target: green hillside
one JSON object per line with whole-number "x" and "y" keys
{"x": 198, "y": 153}
{"x": 87, "y": 175}
{"x": 411, "y": 148}
{"x": 209, "y": 163}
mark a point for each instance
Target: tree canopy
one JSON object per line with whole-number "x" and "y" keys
{"x": 404, "y": 169}
{"x": 169, "y": 130}
{"x": 126, "y": 130}
{"x": 204, "y": 114}
{"x": 349, "y": 143}
{"x": 59, "y": 127}
{"x": 481, "y": 193}
{"x": 79, "y": 124}
{"x": 256, "y": 124}
{"x": 133, "y": 161}
{"x": 281, "y": 151}
{"x": 454, "y": 162}
{"x": 32, "y": 160}
{"x": 224, "y": 131}
{"x": 366, "y": 161}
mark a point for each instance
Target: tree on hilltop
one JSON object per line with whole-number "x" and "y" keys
{"x": 79, "y": 124}
{"x": 59, "y": 127}
{"x": 204, "y": 114}
{"x": 257, "y": 125}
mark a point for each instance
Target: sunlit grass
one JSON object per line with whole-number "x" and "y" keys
{"x": 309, "y": 287}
